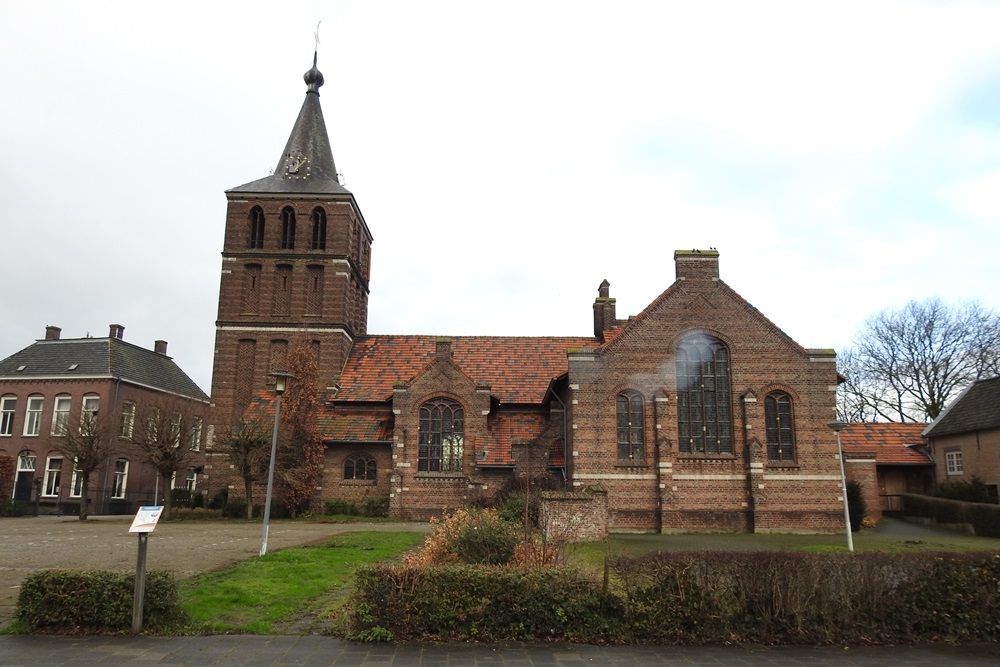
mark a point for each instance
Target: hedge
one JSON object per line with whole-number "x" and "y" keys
{"x": 983, "y": 517}
{"x": 96, "y": 601}
{"x": 691, "y": 598}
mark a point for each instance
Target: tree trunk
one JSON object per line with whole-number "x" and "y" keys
{"x": 167, "y": 495}
{"x": 249, "y": 495}
{"x": 84, "y": 494}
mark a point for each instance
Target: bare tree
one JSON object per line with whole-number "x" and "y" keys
{"x": 87, "y": 445}
{"x": 907, "y": 364}
{"x": 163, "y": 431}
{"x": 247, "y": 444}
{"x": 299, "y": 460}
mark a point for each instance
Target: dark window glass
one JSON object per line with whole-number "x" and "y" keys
{"x": 778, "y": 419}
{"x": 256, "y": 227}
{"x": 318, "y": 229}
{"x": 287, "y": 228}
{"x": 441, "y": 436}
{"x": 628, "y": 408}
{"x": 704, "y": 422}
{"x": 359, "y": 467}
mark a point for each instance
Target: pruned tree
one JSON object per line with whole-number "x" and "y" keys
{"x": 299, "y": 461}
{"x": 88, "y": 445}
{"x": 907, "y": 364}
{"x": 163, "y": 432}
{"x": 248, "y": 443}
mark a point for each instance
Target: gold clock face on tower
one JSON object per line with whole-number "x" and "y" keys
{"x": 296, "y": 166}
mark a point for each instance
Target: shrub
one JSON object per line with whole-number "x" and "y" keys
{"x": 376, "y": 507}
{"x": 341, "y": 507}
{"x": 468, "y": 536}
{"x": 856, "y": 506}
{"x": 96, "y": 601}
{"x": 477, "y": 602}
{"x": 974, "y": 491}
{"x": 197, "y": 513}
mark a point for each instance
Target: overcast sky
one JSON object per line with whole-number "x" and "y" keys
{"x": 508, "y": 156}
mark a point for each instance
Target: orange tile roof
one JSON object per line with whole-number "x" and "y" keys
{"x": 505, "y": 430}
{"x": 518, "y": 368}
{"x": 891, "y": 443}
{"x": 356, "y": 425}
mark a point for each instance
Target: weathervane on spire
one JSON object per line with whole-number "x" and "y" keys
{"x": 316, "y": 35}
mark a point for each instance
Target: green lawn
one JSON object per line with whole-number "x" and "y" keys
{"x": 287, "y": 589}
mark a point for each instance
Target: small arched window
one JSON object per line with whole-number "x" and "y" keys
{"x": 287, "y": 228}
{"x": 256, "y": 227}
{"x": 359, "y": 467}
{"x": 778, "y": 419}
{"x": 442, "y": 434}
{"x": 704, "y": 420}
{"x": 318, "y": 229}
{"x": 628, "y": 409}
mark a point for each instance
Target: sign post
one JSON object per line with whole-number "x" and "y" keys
{"x": 143, "y": 524}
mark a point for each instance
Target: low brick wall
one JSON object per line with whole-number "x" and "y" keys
{"x": 580, "y": 516}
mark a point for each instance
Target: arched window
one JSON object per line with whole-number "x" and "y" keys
{"x": 704, "y": 420}
{"x": 441, "y": 436}
{"x": 628, "y": 408}
{"x": 319, "y": 229}
{"x": 287, "y": 228}
{"x": 778, "y": 419}
{"x": 359, "y": 467}
{"x": 256, "y": 227}
{"x": 8, "y": 406}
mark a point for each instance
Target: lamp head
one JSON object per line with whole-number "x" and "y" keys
{"x": 280, "y": 381}
{"x": 837, "y": 427}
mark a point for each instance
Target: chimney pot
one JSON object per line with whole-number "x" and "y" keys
{"x": 160, "y": 347}
{"x": 52, "y": 333}
{"x": 116, "y": 331}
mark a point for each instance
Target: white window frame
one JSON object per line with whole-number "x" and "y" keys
{"x": 953, "y": 462}
{"x": 128, "y": 420}
{"x": 119, "y": 484}
{"x": 8, "y": 408}
{"x": 26, "y": 462}
{"x": 33, "y": 415}
{"x": 76, "y": 483}
{"x": 196, "y": 424}
{"x": 60, "y": 414}
{"x": 90, "y": 408}
{"x": 191, "y": 481}
{"x": 52, "y": 484}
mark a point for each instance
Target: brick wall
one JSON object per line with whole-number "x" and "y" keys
{"x": 574, "y": 517}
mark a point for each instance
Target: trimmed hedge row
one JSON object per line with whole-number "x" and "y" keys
{"x": 691, "y": 598}
{"x": 96, "y": 601}
{"x": 479, "y": 602}
{"x": 983, "y": 517}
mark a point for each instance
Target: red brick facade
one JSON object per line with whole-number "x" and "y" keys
{"x": 450, "y": 422}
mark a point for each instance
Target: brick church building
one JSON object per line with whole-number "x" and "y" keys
{"x": 697, "y": 414}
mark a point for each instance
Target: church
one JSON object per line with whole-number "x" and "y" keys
{"x": 697, "y": 414}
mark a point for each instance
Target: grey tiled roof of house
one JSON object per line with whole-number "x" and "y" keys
{"x": 99, "y": 358}
{"x": 976, "y": 409}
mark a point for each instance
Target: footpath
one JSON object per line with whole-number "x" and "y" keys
{"x": 316, "y": 651}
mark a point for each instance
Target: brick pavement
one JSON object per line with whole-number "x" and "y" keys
{"x": 316, "y": 651}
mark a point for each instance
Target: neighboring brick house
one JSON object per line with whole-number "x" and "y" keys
{"x": 887, "y": 459}
{"x": 697, "y": 414}
{"x": 49, "y": 386}
{"x": 965, "y": 438}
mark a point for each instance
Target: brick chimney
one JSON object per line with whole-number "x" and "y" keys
{"x": 696, "y": 264}
{"x": 160, "y": 347}
{"x": 442, "y": 348}
{"x": 52, "y": 333}
{"x": 116, "y": 331}
{"x": 604, "y": 310}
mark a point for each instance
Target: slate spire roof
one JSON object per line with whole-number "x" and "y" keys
{"x": 99, "y": 358}
{"x": 306, "y": 165}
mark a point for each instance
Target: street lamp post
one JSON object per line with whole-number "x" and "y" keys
{"x": 280, "y": 377}
{"x": 837, "y": 428}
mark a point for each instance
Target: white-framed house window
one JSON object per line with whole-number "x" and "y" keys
{"x": 128, "y": 420}
{"x": 191, "y": 481}
{"x": 76, "y": 484}
{"x": 60, "y": 415}
{"x": 120, "y": 482}
{"x": 53, "y": 476}
{"x": 33, "y": 415}
{"x": 88, "y": 413}
{"x": 196, "y": 433}
{"x": 26, "y": 462}
{"x": 953, "y": 462}
{"x": 8, "y": 406}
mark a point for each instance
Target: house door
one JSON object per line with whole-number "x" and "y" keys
{"x": 25, "y": 477}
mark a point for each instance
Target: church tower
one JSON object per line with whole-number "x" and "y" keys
{"x": 295, "y": 267}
